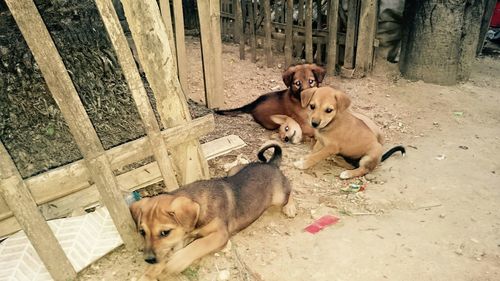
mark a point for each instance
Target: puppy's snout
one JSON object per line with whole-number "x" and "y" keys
{"x": 286, "y": 139}
{"x": 150, "y": 259}
{"x": 314, "y": 123}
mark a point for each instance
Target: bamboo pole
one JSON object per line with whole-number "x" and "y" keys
{"x": 333, "y": 19}
{"x": 352, "y": 23}
{"x": 309, "y": 44}
{"x": 15, "y": 193}
{"x": 366, "y": 36}
{"x": 138, "y": 91}
{"x": 267, "y": 31}
{"x": 288, "y": 33}
{"x": 240, "y": 28}
{"x": 180, "y": 44}
{"x": 253, "y": 38}
{"x": 64, "y": 93}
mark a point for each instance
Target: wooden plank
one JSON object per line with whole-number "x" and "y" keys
{"x": 239, "y": 29}
{"x": 64, "y": 93}
{"x": 15, "y": 192}
{"x": 333, "y": 19}
{"x": 352, "y": 24}
{"x": 150, "y": 38}
{"x": 134, "y": 81}
{"x": 288, "y": 33}
{"x": 319, "y": 13}
{"x": 132, "y": 180}
{"x": 366, "y": 37}
{"x": 218, "y": 95}
{"x": 180, "y": 44}
{"x": 267, "y": 31}
{"x": 309, "y": 43}
{"x": 166, "y": 16}
{"x": 301, "y": 13}
{"x": 253, "y": 38}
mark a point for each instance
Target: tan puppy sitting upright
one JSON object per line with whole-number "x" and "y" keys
{"x": 339, "y": 131}
{"x": 182, "y": 226}
{"x": 289, "y": 130}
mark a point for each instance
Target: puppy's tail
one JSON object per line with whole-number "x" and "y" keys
{"x": 392, "y": 151}
{"x": 276, "y": 158}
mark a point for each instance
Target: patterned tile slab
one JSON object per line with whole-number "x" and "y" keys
{"x": 84, "y": 239}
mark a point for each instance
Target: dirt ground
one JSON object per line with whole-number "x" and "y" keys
{"x": 432, "y": 215}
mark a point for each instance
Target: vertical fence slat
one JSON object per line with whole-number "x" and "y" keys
{"x": 180, "y": 44}
{"x": 253, "y": 39}
{"x": 350, "y": 38}
{"x": 366, "y": 36}
{"x": 166, "y": 16}
{"x": 151, "y": 38}
{"x": 15, "y": 193}
{"x": 267, "y": 31}
{"x": 309, "y": 40}
{"x": 288, "y": 32}
{"x": 239, "y": 28}
{"x": 318, "y": 12}
{"x": 138, "y": 91}
{"x": 62, "y": 89}
{"x": 333, "y": 19}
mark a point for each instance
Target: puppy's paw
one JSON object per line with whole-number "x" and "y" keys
{"x": 178, "y": 263}
{"x": 300, "y": 164}
{"x": 289, "y": 210}
{"x": 147, "y": 278}
{"x": 345, "y": 175}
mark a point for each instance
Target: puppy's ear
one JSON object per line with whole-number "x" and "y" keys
{"x": 319, "y": 73}
{"x": 306, "y": 96}
{"x": 288, "y": 75}
{"x": 185, "y": 211}
{"x": 279, "y": 119}
{"x": 343, "y": 101}
{"x": 136, "y": 210}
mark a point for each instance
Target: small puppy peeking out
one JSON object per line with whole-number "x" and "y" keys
{"x": 339, "y": 131}
{"x": 289, "y": 130}
{"x": 182, "y": 226}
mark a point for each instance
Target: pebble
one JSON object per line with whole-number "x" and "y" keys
{"x": 224, "y": 275}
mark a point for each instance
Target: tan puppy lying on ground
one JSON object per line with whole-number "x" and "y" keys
{"x": 289, "y": 130}
{"x": 184, "y": 225}
{"x": 338, "y": 131}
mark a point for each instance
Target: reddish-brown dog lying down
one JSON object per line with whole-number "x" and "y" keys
{"x": 184, "y": 225}
{"x": 285, "y": 102}
{"x": 339, "y": 131}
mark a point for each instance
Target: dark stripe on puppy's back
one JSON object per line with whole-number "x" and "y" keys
{"x": 249, "y": 108}
{"x": 275, "y": 159}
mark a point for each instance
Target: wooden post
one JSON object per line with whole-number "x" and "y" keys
{"x": 301, "y": 13}
{"x": 366, "y": 36}
{"x": 288, "y": 33}
{"x": 309, "y": 44}
{"x": 253, "y": 39}
{"x": 134, "y": 81}
{"x": 211, "y": 47}
{"x": 64, "y": 93}
{"x": 167, "y": 21}
{"x": 267, "y": 31}
{"x": 150, "y": 38}
{"x": 15, "y": 193}
{"x": 180, "y": 44}
{"x": 333, "y": 19}
{"x": 350, "y": 38}
{"x": 239, "y": 28}
{"x": 319, "y": 13}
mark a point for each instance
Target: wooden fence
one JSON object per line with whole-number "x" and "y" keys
{"x": 28, "y": 203}
{"x": 305, "y": 30}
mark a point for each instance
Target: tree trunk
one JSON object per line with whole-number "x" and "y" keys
{"x": 440, "y": 38}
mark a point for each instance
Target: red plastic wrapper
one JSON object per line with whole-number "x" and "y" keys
{"x": 321, "y": 223}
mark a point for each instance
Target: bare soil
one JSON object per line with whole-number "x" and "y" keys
{"x": 432, "y": 215}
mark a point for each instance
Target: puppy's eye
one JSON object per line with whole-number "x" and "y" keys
{"x": 298, "y": 83}
{"x": 286, "y": 128}
{"x": 311, "y": 82}
{"x": 164, "y": 233}
{"x": 328, "y": 110}
{"x": 312, "y": 106}
{"x": 142, "y": 232}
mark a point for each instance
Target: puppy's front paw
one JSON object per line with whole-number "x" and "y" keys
{"x": 178, "y": 263}
{"x": 300, "y": 164}
{"x": 145, "y": 277}
{"x": 290, "y": 210}
{"x": 345, "y": 175}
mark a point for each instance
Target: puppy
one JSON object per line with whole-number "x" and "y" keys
{"x": 289, "y": 130}
{"x": 182, "y": 226}
{"x": 286, "y": 102}
{"x": 338, "y": 131}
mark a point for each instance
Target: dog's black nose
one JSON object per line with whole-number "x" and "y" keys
{"x": 314, "y": 124}
{"x": 286, "y": 139}
{"x": 151, "y": 260}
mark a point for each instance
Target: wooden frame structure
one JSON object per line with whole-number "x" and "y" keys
{"x": 321, "y": 43}
{"x": 27, "y": 203}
